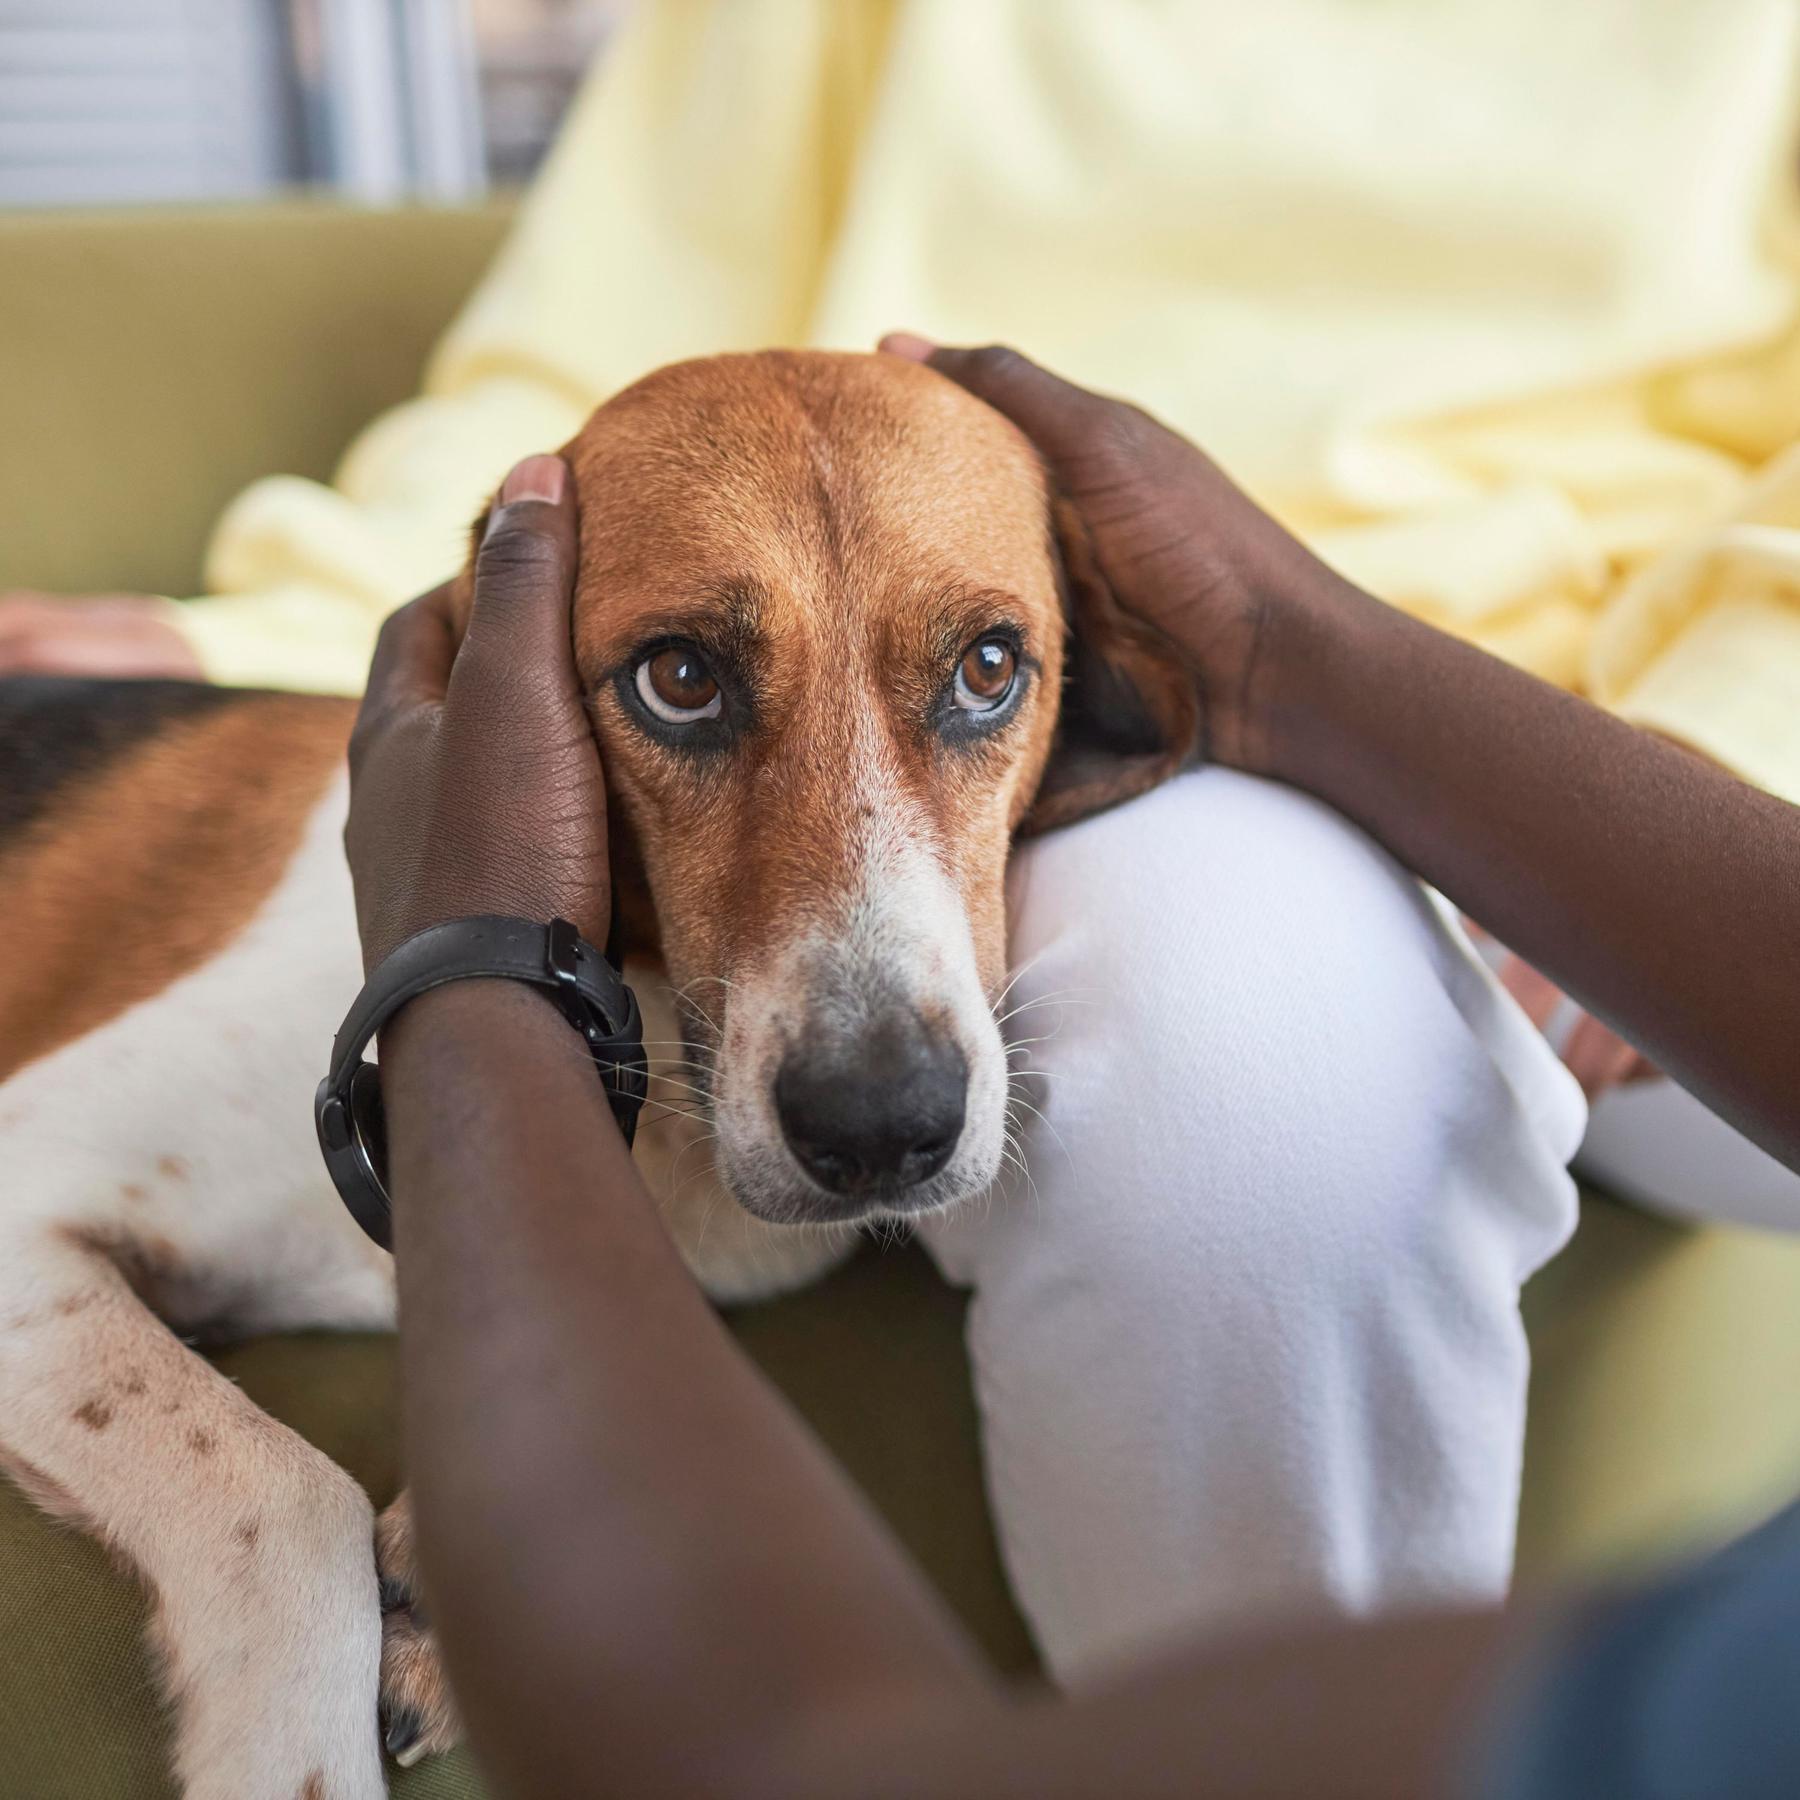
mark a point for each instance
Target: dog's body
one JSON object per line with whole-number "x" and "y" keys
{"x": 180, "y": 945}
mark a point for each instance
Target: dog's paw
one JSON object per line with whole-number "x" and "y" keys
{"x": 418, "y": 1713}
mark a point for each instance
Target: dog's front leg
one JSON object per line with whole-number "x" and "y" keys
{"x": 257, "y": 1549}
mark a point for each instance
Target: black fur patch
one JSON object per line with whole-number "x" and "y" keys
{"x": 1102, "y": 710}
{"x": 55, "y": 731}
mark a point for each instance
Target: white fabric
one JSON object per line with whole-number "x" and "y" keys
{"x": 1653, "y": 1143}
{"x": 1249, "y": 1340}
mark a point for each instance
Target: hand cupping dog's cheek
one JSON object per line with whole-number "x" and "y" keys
{"x": 475, "y": 780}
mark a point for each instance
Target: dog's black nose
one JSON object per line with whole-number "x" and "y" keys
{"x": 881, "y": 1112}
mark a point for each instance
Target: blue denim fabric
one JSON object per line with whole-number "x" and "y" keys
{"x": 1685, "y": 1690}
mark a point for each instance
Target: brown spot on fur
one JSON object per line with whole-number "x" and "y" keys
{"x": 313, "y": 1787}
{"x": 96, "y": 1415}
{"x": 247, "y": 1531}
{"x": 134, "y": 1191}
{"x": 216, "y": 805}
{"x": 203, "y": 1442}
{"x": 175, "y": 1168}
{"x": 132, "y": 1386}
{"x": 70, "y": 1304}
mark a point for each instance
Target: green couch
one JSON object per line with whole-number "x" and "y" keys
{"x": 151, "y": 365}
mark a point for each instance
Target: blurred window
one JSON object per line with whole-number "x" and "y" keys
{"x": 132, "y": 101}
{"x": 123, "y": 100}
{"x": 533, "y": 54}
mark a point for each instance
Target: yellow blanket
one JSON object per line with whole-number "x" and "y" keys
{"x": 1495, "y": 302}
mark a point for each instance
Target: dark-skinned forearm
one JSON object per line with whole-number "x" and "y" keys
{"x": 1661, "y": 892}
{"x": 640, "y": 1560}
{"x": 648, "y": 1579}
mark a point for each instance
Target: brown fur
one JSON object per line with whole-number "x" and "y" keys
{"x": 847, "y": 526}
{"x": 866, "y": 520}
{"x": 147, "y": 868}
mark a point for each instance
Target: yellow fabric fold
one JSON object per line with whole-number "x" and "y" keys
{"x": 1704, "y": 643}
{"x": 1498, "y": 303}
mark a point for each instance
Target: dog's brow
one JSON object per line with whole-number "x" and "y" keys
{"x": 959, "y": 612}
{"x": 740, "y": 598}
{"x": 727, "y": 614}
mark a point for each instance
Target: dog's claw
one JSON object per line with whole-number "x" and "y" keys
{"x": 403, "y": 1737}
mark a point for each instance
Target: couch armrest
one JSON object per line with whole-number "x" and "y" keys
{"x": 153, "y": 363}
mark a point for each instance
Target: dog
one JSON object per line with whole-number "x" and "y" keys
{"x": 841, "y": 646}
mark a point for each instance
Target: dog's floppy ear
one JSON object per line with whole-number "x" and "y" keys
{"x": 1130, "y": 705}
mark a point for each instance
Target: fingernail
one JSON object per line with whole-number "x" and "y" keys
{"x": 536, "y": 478}
{"x": 908, "y": 344}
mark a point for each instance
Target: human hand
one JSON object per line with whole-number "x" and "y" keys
{"x": 1178, "y": 543}
{"x": 475, "y": 783}
{"x": 131, "y": 636}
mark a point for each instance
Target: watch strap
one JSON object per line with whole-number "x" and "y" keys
{"x": 554, "y": 957}
{"x": 592, "y": 995}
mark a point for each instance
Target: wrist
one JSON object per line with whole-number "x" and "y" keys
{"x": 598, "y": 1018}
{"x": 1317, "y": 646}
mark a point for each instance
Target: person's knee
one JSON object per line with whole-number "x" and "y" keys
{"x": 1250, "y": 1048}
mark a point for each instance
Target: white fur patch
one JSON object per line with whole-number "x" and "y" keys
{"x": 900, "y": 938}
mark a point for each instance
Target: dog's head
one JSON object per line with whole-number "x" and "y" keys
{"x": 825, "y": 627}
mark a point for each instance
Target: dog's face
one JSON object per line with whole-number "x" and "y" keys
{"x": 820, "y": 621}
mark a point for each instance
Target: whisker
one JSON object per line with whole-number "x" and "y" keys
{"x": 659, "y": 1079}
{"x": 1012, "y": 981}
{"x": 1014, "y": 1151}
{"x": 676, "y": 1107}
{"x": 684, "y": 998}
{"x": 678, "y": 1186}
{"x": 665, "y": 1118}
{"x": 1067, "y": 997}
{"x": 1038, "y": 1113}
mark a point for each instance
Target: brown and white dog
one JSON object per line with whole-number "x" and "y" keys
{"x": 825, "y": 626}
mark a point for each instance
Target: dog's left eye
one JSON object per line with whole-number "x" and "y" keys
{"x": 986, "y": 674}
{"x": 677, "y": 686}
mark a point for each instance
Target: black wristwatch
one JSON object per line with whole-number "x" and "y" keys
{"x": 585, "y": 986}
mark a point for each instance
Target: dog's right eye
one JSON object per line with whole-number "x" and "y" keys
{"x": 677, "y": 687}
